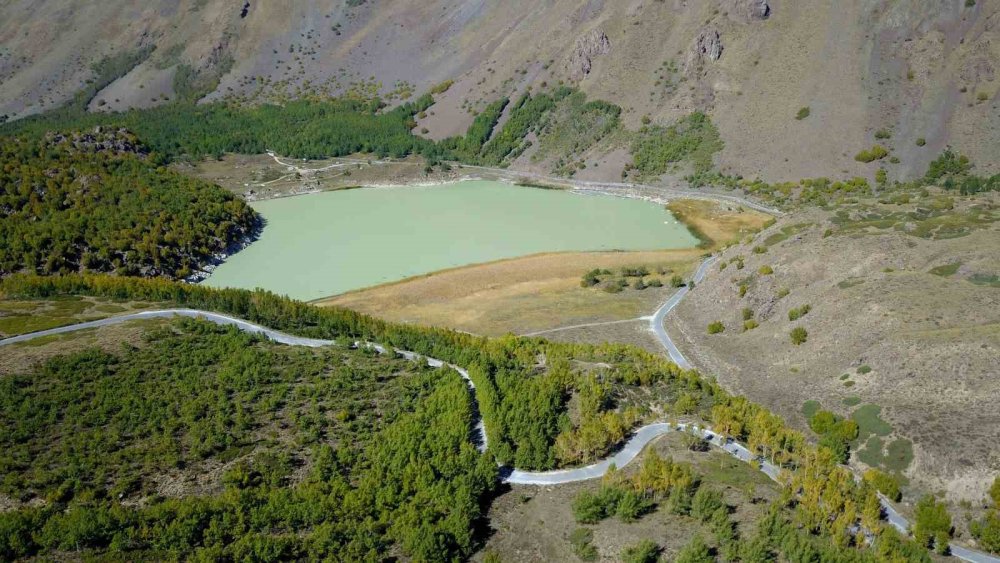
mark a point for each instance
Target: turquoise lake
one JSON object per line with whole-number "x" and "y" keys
{"x": 322, "y": 244}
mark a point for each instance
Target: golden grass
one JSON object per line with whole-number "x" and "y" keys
{"x": 542, "y": 291}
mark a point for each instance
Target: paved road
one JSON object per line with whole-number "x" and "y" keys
{"x": 629, "y": 451}
{"x": 656, "y": 322}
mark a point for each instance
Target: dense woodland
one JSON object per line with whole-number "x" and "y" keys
{"x": 419, "y": 484}
{"x": 97, "y": 202}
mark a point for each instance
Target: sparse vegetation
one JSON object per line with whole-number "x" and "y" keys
{"x": 802, "y": 113}
{"x": 693, "y": 139}
{"x": 716, "y": 327}
{"x": 798, "y": 335}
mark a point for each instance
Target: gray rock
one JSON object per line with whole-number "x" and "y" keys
{"x": 587, "y": 47}
{"x": 748, "y": 10}
{"x": 707, "y": 45}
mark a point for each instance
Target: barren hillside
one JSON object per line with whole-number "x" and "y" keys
{"x": 901, "y": 309}
{"x": 922, "y": 69}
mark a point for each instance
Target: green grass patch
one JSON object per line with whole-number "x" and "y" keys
{"x": 865, "y": 369}
{"x": 809, "y": 408}
{"x": 850, "y": 282}
{"x": 899, "y": 455}
{"x": 946, "y": 270}
{"x": 851, "y": 401}
{"x": 785, "y": 233}
{"x": 869, "y": 421}
{"x": 109, "y": 308}
{"x": 23, "y": 324}
{"x": 871, "y": 453}
{"x": 989, "y": 280}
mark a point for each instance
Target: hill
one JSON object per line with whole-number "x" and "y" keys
{"x": 898, "y": 300}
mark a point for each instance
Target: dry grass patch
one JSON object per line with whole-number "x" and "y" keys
{"x": 520, "y": 295}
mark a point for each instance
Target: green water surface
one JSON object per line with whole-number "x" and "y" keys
{"x": 327, "y": 243}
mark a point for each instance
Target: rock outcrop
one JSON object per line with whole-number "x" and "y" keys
{"x": 707, "y": 45}
{"x": 587, "y": 47}
{"x": 748, "y": 10}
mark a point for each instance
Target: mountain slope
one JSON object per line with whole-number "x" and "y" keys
{"x": 925, "y": 69}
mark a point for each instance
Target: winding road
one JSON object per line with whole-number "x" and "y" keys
{"x": 632, "y": 448}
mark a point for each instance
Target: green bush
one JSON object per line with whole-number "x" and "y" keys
{"x": 798, "y": 335}
{"x": 932, "y": 524}
{"x": 581, "y": 539}
{"x": 695, "y": 551}
{"x": 706, "y": 501}
{"x": 747, "y": 313}
{"x": 802, "y": 113}
{"x": 716, "y": 327}
{"x": 765, "y": 270}
{"x": 645, "y": 551}
{"x": 884, "y": 483}
{"x": 987, "y": 531}
{"x": 877, "y": 152}
{"x": 591, "y": 508}
{"x": 798, "y": 312}
{"x": 750, "y": 324}
{"x": 921, "y": 141}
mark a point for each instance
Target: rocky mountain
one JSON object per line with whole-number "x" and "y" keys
{"x": 923, "y": 72}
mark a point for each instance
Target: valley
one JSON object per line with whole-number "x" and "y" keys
{"x": 469, "y": 280}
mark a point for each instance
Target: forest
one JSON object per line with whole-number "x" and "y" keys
{"x": 98, "y": 202}
{"x": 430, "y": 513}
{"x": 320, "y": 450}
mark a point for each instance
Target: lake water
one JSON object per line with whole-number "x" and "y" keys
{"x": 327, "y": 243}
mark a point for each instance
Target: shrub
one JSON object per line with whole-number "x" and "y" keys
{"x": 759, "y": 249}
{"x": 645, "y": 551}
{"x": 696, "y": 551}
{"x": 799, "y": 312}
{"x": 676, "y": 281}
{"x": 716, "y": 327}
{"x": 706, "y": 501}
{"x": 581, "y": 539}
{"x": 747, "y": 313}
{"x": 877, "y": 152}
{"x": 932, "y": 523}
{"x": 921, "y": 141}
{"x": 803, "y": 113}
{"x": 798, "y": 335}
{"x": 883, "y": 134}
{"x": 750, "y": 324}
{"x": 743, "y": 289}
{"x": 631, "y": 506}
{"x": 883, "y": 483}
{"x": 765, "y": 270}
{"x": 995, "y": 492}
{"x": 864, "y": 369}
{"x": 987, "y": 531}
{"x": 591, "y": 508}
{"x": 639, "y": 284}
{"x": 654, "y": 282}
